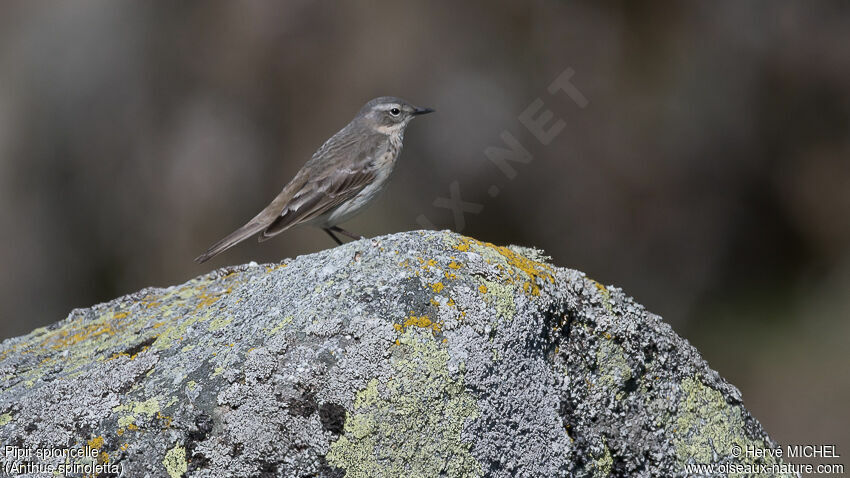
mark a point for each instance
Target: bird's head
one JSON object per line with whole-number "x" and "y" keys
{"x": 389, "y": 115}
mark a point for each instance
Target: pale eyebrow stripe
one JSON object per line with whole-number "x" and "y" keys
{"x": 388, "y": 107}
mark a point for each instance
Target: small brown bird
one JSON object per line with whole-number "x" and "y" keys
{"x": 344, "y": 175}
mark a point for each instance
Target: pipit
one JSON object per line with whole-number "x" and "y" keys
{"x": 342, "y": 177}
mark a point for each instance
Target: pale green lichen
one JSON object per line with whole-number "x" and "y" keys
{"x": 176, "y": 331}
{"x": 614, "y": 370}
{"x": 368, "y": 396}
{"x": 148, "y": 408}
{"x": 603, "y": 465}
{"x": 707, "y": 427}
{"x": 502, "y": 297}
{"x": 219, "y": 323}
{"x": 127, "y": 420}
{"x": 175, "y": 462}
{"x": 185, "y": 293}
{"x": 5, "y": 418}
{"x": 280, "y": 325}
{"x": 411, "y": 426}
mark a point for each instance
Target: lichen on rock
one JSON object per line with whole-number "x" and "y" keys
{"x": 416, "y": 354}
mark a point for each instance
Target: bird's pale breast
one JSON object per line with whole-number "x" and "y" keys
{"x": 384, "y": 164}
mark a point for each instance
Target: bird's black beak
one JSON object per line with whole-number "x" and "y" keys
{"x": 422, "y": 111}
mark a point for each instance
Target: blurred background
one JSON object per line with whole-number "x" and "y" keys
{"x": 709, "y": 175}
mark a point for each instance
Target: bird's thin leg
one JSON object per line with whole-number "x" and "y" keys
{"x": 345, "y": 233}
{"x": 338, "y": 242}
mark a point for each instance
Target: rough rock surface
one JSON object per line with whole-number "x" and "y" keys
{"x": 418, "y": 354}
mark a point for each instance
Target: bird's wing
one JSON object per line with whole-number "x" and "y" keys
{"x": 319, "y": 196}
{"x": 340, "y": 169}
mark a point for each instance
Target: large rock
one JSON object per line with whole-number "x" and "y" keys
{"x": 418, "y": 354}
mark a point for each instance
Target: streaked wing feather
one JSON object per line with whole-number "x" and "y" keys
{"x": 320, "y": 196}
{"x": 338, "y": 170}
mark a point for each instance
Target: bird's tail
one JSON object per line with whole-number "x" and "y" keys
{"x": 261, "y": 221}
{"x": 256, "y": 225}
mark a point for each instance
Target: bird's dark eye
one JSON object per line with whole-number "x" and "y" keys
{"x": 395, "y": 111}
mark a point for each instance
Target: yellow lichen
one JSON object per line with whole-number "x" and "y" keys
{"x": 206, "y": 300}
{"x": 125, "y": 354}
{"x": 537, "y": 272}
{"x": 268, "y": 269}
{"x": 421, "y": 321}
{"x": 67, "y": 337}
{"x": 165, "y": 419}
{"x": 96, "y": 442}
